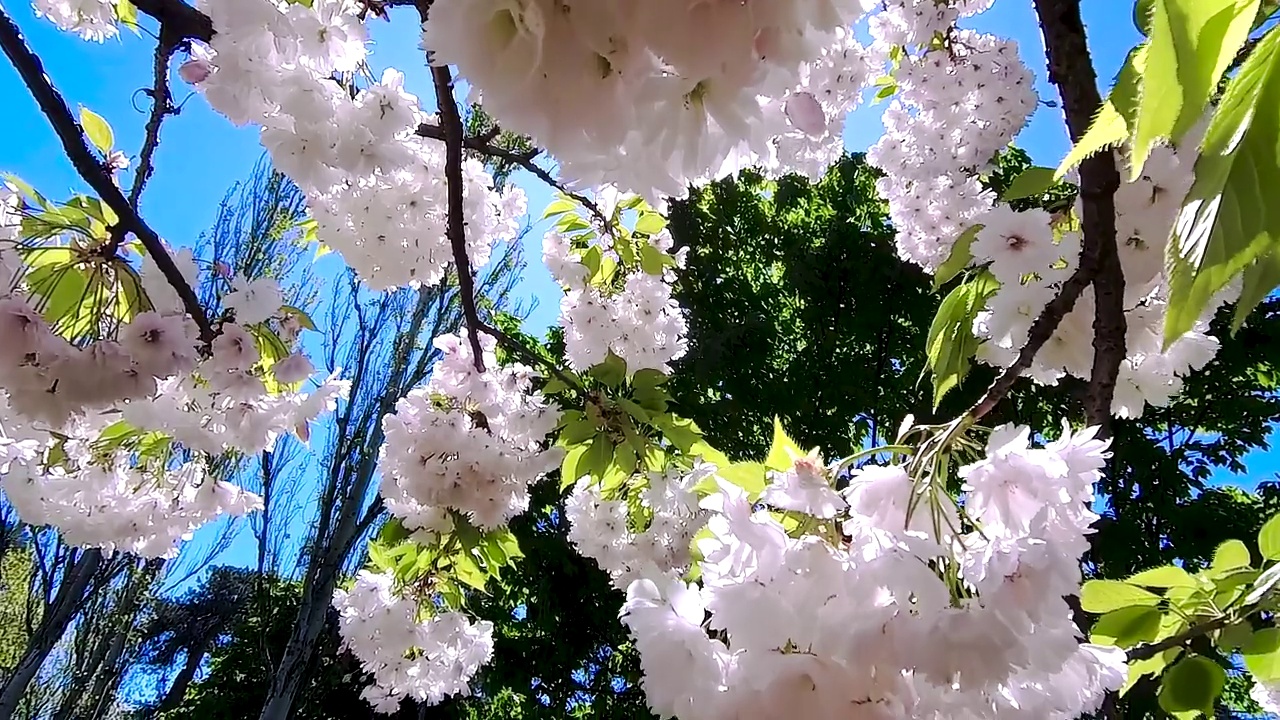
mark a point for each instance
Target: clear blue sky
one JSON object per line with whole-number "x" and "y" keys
{"x": 201, "y": 155}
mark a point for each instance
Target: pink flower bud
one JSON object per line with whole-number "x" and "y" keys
{"x": 806, "y": 113}
{"x": 195, "y": 71}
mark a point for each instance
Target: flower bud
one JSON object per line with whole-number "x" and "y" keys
{"x": 195, "y": 71}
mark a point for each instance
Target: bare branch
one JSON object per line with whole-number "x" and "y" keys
{"x": 483, "y": 144}
{"x": 161, "y": 107}
{"x": 179, "y": 18}
{"x": 1144, "y": 652}
{"x": 451, "y": 121}
{"x": 93, "y": 170}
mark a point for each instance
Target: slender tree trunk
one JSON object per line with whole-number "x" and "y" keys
{"x": 178, "y": 690}
{"x": 70, "y": 595}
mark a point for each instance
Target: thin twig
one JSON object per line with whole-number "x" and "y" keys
{"x": 93, "y": 170}
{"x": 161, "y": 107}
{"x": 518, "y": 348}
{"x": 483, "y": 144}
{"x": 451, "y": 121}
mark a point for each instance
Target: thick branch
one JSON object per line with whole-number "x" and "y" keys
{"x": 179, "y": 18}
{"x": 451, "y": 121}
{"x": 91, "y": 169}
{"x": 161, "y": 107}
{"x": 1071, "y": 70}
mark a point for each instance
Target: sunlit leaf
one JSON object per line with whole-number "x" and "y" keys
{"x": 1229, "y": 221}
{"x": 97, "y": 129}
{"x": 1110, "y": 127}
{"x": 1104, "y": 596}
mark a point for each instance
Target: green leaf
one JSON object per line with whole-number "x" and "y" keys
{"x": 634, "y": 410}
{"x": 650, "y": 223}
{"x": 1163, "y": 577}
{"x": 1269, "y": 539}
{"x": 959, "y": 258}
{"x": 611, "y": 372}
{"x": 127, "y": 14}
{"x": 21, "y": 186}
{"x": 952, "y": 344}
{"x": 559, "y": 206}
{"x": 749, "y": 476}
{"x": 591, "y": 259}
{"x": 303, "y": 318}
{"x": 624, "y": 459}
{"x": 1104, "y": 596}
{"x": 704, "y": 450}
{"x": 648, "y": 378}
{"x": 578, "y": 430}
{"x": 783, "y": 451}
{"x": 392, "y": 532}
{"x": 466, "y": 569}
{"x": 886, "y": 91}
{"x": 680, "y": 432}
{"x": 1229, "y": 221}
{"x": 1262, "y": 654}
{"x": 1191, "y": 44}
{"x": 653, "y": 261}
{"x": 1110, "y": 126}
{"x": 572, "y": 223}
{"x": 97, "y": 129}
{"x": 1230, "y": 555}
{"x": 598, "y": 457}
{"x": 1126, "y": 627}
{"x": 572, "y": 466}
{"x": 1142, "y": 16}
{"x": 1193, "y": 683}
{"x": 1030, "y": 182}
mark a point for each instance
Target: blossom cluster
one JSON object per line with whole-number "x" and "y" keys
{"x": 1031, "y": 254}
{"x": 408, "y": 657}
{"x": 654, "y": 95}
{"x": 882, "y": 612}
{"x": 90, "y": 19}
{"x": 955, "y": 106}
{"x": 600, "y": 527}
{"x": 112, "y": 502}
{"x": 376, "y": 188}
{"x": 468, "y": 440}
{"x": 632, "y": 315}
{"x": 76, "y": 384}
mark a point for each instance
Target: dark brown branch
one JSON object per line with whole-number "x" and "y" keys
{"x": 515, "y": 346}
{"x": 1143, "y": 652}
{"x": 451, "y": 121}
{"x": 179, "y": 18}
{"x": 92, "y": 169}
{"x": 483, "y": 144}
{"x": 161, "y": 107}
{"x": 1071, "y": 70}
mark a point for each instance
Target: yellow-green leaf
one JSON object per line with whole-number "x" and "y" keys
{"x": 1104, "y": 596}
{"x": 1229, "y": 221}
{"x": 1269, "y": 539}
{"x": 1110, "y": 127}
{"x": 1029, "y": 183}
{"x": 1262, "y": 655}
{"x": 783, "y": 451}
{"x": 959, "y": 258}
{"x": 96, "y": 127}
{"x": 1127, "y": 627}
{"x": 1163, "y": 577}
{"x": 1191, "y": 44}
{"x": 1230, "y": 555}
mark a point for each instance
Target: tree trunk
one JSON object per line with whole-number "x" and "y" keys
{"x": 178, "y": 690}
{"x": 70, "y": 595}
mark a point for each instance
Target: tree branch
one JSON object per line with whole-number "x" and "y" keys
{"x": 483, "y": 144}
{"x": 1144, "y": 652}
{"x": 179, "y": 18}
{"x": 1071, "y": 70}
{"x": 451, "y": 121}
{"x": 91, "y": 169}
{"x": 161, "y": 107}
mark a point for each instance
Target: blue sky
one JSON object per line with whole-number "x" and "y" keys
{"x": 201, "y": 155}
